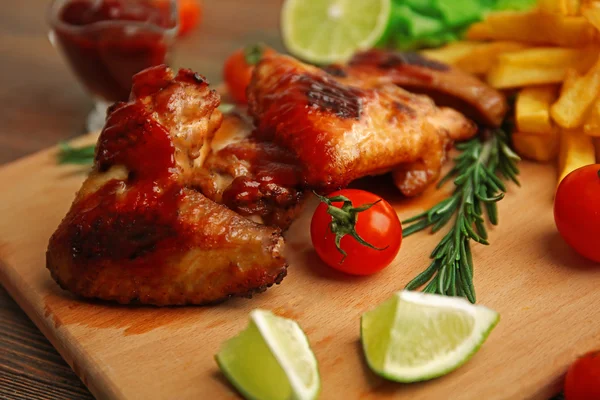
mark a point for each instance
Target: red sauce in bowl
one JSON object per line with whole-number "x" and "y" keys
{"x": 108, "y": 41}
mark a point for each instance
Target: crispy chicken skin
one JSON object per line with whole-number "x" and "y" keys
{"x": 254, "y": 178}
{"x": 342, "y": 127}
{"x": 445, "y": 85}
{"x": 138, "y": 231}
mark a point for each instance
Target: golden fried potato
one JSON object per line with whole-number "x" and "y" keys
{"x": 570, "y": 78}
{"x": 452, "y": 52}
{"x": 564, "y": 7}
{"x": 581, "y": 59}
{"x": 540, "y": 66}
{"x": 570, "y": 109}
{"x": 504, "y": 76}
{"x": 536, "y": 147}
{"x": 535, "y": 27}
{"x": 592, "y": 15}
{"x": 532, "y": 109}
{"x": 479, "y": 31}
{"x": 473, "y": 57}
{"x": 591, "y": 125}
{"x": 575, "y": 150}
{"x": 481, "y": 59}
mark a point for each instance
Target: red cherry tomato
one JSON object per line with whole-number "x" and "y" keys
{"x": 583, "y": 378}
{"x": 379, "y": 226}
{"x": 190, "y": 15}
{"x": 237, "y": 72}
{"x": 577, "y": 210}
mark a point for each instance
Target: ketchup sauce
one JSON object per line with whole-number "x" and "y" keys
{"x": 108, "y": 41}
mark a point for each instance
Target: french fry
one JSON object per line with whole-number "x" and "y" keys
{"x": 479, "y": 31}
{"x": 570, "y": 78}
{"x": 591, "y": 126}
{"x": 592, "y": 15}
{"x": 452, "y": 52}
{"x": 473, "y": 57}
{"x": 581, "y": 59}
{"x": 481, "y": 59}
{"x": 575, "y": 150}
{"x": 532, "y": 110}
{"x": 539, "y": 66}
{"x": 504, "y": 76}
{"x": 536, "y": 147}
{"x": 570, "y": 109}
{"x": 535, "y": 27}
{"x": 552, "y": 6}
{"x": 564, "y": 7}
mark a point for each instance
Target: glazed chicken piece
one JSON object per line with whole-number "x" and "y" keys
{"x": 447, "y": 86}
{"x": 341, "y": 128}
{"x": 138, "y": 231}
{"x": 257, "y": 179}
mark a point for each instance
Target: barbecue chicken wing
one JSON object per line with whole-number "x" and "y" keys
{"x": 445, "y": 85}
{"x": 257, "y": 179}
{"x": 343, "y": 127}
{"x": 138, "y": 230}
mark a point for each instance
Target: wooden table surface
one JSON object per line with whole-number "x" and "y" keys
{"x": 42, "y": 103}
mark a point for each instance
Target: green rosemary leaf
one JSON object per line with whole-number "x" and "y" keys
{"x": 452, "y": 285}
{"x": 418, "y": 226}
{"x": 415, "y": 218}
{"x": 423, "y": 277}
{"x": 444, "y": 219}
{"x": 492, "y": 212}
{"x": 477, "y": 175}
{"x": 68, "y": 154}
{"x": 481, "y": 231}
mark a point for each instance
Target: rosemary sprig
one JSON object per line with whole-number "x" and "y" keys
{"x": 476, "y": 175}
{"x": 68, "y": 154}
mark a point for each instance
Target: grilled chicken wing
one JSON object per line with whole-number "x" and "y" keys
{"x": 341, "y": 128}
{"x": 445, "y": 85}
{"x": 254, "y": 178}
{"x": 137, "y": 230}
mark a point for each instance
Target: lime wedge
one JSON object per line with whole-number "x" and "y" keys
{"x": 328, "y": 31}
{"x": 270, "y": 360}
{"x": 415, "y": 336}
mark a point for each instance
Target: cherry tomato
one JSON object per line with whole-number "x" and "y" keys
{"x": 378, "y": 226}
{"x": 238, "y": 70}
{"x": 583, "y": 378}
{"x": 190, "y": 15}
{"x": 577, "y": 210}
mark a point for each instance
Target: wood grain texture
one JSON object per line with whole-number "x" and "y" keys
{"x": 30, "y": 368}
{"x": 545, "y": 293}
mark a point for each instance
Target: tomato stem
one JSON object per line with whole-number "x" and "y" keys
{"x": 343, "y": 221}
{"x": 253, "y": 53}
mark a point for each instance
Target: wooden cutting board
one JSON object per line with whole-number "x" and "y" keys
{"x": 547, "y": 295}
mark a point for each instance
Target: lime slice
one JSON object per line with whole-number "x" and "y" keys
{"x": 328, "y": 31}
{"x": 270, "y": 360}
{"x": 415, "y": 336}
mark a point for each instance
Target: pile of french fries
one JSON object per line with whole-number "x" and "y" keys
{"x": 550, "y": 58}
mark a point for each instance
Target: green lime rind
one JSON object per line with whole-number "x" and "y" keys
{"x": 270, "y": 360}
{"x": 484, "y": 322}
{"x": 240, "y": 388}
